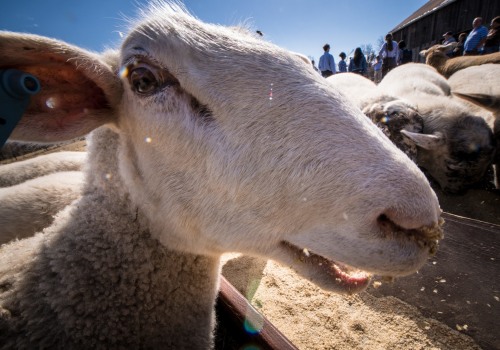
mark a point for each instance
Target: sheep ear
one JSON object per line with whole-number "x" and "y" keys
{"x": 491, "y": 103}
{"x": 423, "y": 53}
{"x": 375, "y": 111}
{"x": 79, "y": 90}
{"x": 447, "y": 47}
{"x": 426, "y": 141}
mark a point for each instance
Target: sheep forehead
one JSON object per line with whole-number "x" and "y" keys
{"x": 399, "y": 106}
{"x": 471, "y": 131}
{"x": 207, "y": 59}
{"x": 171, "y": 25}
{"x": 436, "y": 49}
{"x": 162, "y": 19}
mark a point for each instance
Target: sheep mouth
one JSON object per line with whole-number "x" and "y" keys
{"x": 346, "y": 279}
{"x": 334, "y": 275}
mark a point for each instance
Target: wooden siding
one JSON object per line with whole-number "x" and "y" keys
{"x": 422, "y": 32}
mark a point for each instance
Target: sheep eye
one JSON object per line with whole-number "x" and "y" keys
{"x": 143, "y": 81}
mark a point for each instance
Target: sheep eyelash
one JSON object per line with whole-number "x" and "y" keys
{"x": 162, "y": 74}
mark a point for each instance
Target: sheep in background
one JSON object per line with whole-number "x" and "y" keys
{"x": 15, "y": 150}
{"x": 481, "y": 85}
{"x": 456, "y": 146}
{"x": 389, "y": 113}
{"x": 18, "y": 172}
{"x": 29, "y": 207}
{"x": 437, "y": 58}
{"x": 187, "y": 161}
{"x": 419, "y": 78}
{"x": 32, "y": 191}
{"x": 355, "y": 86}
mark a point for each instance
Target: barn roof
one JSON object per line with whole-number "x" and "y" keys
{"x": 430, "y": 7}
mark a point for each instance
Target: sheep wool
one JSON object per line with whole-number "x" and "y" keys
{"x": 99, "y": 280}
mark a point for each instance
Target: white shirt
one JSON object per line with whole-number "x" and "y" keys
{"x": 386, "y": 53}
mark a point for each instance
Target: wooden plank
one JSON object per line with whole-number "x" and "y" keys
{"x": 243, "y": 324}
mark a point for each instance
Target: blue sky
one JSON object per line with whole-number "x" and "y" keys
{"x": 298, "y": 25}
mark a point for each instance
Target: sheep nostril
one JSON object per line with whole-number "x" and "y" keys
{"x": 425, "y": 236}
{"x": 387, "y": 227}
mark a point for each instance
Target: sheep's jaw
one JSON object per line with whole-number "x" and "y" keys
{"x": 343, "y": 278}
{"x": 340, "y": 277}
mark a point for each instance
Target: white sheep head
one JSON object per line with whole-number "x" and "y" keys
{"x": 229, "y": 143}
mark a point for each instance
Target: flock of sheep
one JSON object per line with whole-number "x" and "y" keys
{"x": 432, "y": 120}
{"x": 189, "y": 158}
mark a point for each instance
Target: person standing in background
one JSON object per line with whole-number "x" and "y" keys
{"x": 326, "y": 63}
{"x": 404, "y": 55}
{"x": 389, "y": 53}
{"x": 459, "y": 49}
{"x": 448, "y": 39}
{"x": 377, "y": 70}
{"x": 476, "y": 38}
{"x": 492, "y": 42}
{"x": 358, "y": 63}
{"x": 342, "y": 63}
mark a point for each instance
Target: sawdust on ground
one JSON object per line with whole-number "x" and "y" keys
{"x": 312, "y": 318}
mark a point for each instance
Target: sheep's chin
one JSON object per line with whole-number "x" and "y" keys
{"x": 326, "y": 273}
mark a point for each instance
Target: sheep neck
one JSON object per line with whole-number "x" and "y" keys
{"x": 101, "y": 280}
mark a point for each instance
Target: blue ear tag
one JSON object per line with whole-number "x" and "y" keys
{"x": 16, "y": 87}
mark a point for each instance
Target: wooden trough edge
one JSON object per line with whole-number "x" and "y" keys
{"x": 235, "y": 311}
{"x": 488, "y": 226}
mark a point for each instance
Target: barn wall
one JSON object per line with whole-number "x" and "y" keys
{"x": 456, "y": 17}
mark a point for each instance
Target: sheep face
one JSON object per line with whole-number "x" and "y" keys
{"x": 436, "y": 55}
{"x": 228, "y": 143}
{"x": 459, "y": 154}
{"x": 437, "y": 58}
{"x": 389, "y": 113}
{"x": 456, "y": 146}
{"x": 393, "y": 116}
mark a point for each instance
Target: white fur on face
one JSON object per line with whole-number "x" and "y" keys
{"x": 220, "y": 165}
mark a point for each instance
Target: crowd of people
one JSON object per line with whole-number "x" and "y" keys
{"x": 391, "y": 54}
{"x": 478, "y": 41}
